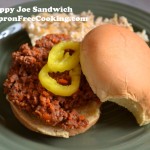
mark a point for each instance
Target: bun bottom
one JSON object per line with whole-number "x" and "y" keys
{"x": 91, "y": 112}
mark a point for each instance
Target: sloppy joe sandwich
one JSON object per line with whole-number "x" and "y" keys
{"x": 53, "y": 102}
{"x": 47, "y": 90}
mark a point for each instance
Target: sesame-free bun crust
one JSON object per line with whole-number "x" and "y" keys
{"x": 116, "y": 63}
{"x": 90, "y": 111}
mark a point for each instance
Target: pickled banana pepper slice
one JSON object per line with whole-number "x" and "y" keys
{"x": 60, "y": 61}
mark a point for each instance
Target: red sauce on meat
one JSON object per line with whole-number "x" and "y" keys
{"x": 24, "y": 89}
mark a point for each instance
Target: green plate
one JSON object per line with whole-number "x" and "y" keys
{"x": 116, "y": 129}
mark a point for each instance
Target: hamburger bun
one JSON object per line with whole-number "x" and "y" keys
{"x": 116, "y": 63}
{"x": 91, "y": 112}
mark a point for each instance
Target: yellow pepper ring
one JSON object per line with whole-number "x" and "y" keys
{"x": 51, "y": 84}
{"x": 60, "y": 61}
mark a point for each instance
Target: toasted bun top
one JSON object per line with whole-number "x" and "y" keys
{"x": 116, "y": 63}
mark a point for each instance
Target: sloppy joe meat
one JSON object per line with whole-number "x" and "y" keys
{"x": 23, "y": 88}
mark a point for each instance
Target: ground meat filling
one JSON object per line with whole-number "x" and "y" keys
{"x": 24, "y": 89}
